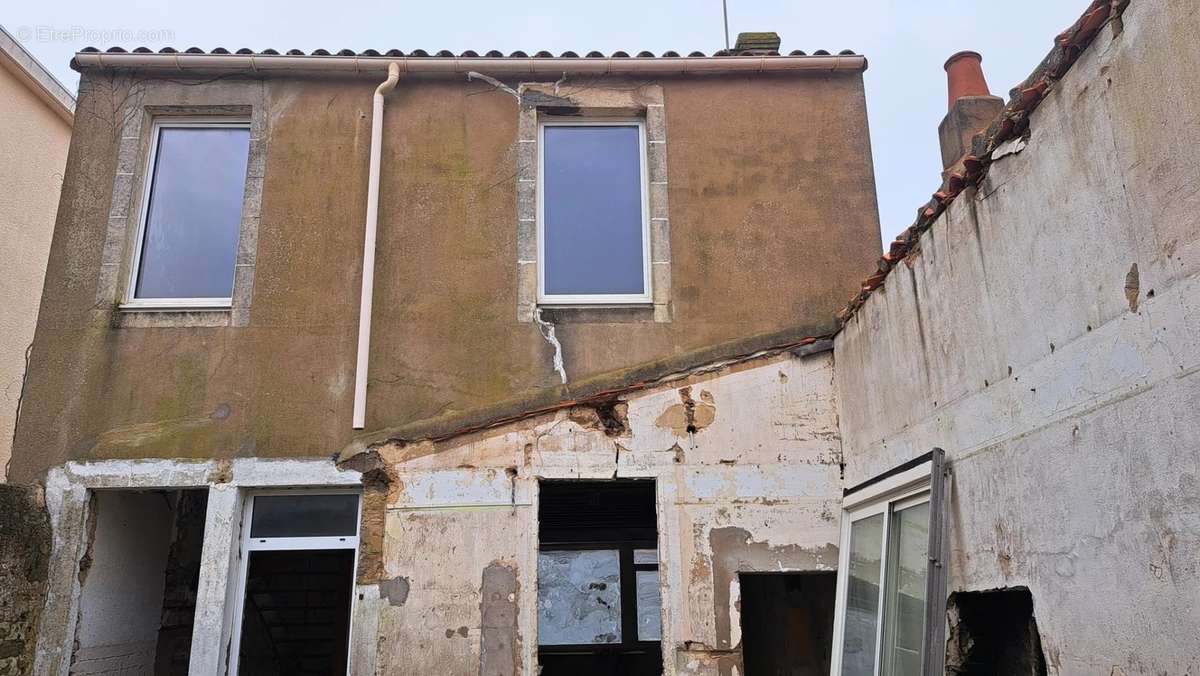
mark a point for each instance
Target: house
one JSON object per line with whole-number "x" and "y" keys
{"x": 272, "y": 261}
{"x": 35, "y": 130}
{"x": 986, "y": 464}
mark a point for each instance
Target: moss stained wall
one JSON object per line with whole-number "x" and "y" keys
{"x": 24, "y": 561}
{"x": 773, "y": 221}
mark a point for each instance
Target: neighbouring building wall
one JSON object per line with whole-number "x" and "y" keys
{"x": 24, "y": 566}
{"x": 772, "y": 213}
{"x": 33, "y": 142}
{"x": 448, "y": 570}
{"x": 1047, "y": 336}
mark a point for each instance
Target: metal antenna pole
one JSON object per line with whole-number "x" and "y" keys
{"x": 725, "y": 13}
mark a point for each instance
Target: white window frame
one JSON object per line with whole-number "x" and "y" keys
{"x": 644, "y": 298}
{"x": 903, "y": 490}
{"x": 131, "y": 301}
{"x": 249, "y": 545}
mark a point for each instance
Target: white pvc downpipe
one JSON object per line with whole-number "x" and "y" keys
{"x": 368, "y": 266}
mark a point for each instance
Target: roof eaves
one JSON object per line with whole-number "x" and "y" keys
{"x": 1011, "y": 123}
{"x": 43, "y": 83}
{"x": 444, "y": 61}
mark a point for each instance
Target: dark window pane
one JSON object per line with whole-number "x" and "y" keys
{"x": 296, "y": 613}
{"x": 592, "y": 217}
{"x": 579, "y": 597}
{"x": 194, "y": 214}
{"x": 297, "y": 516}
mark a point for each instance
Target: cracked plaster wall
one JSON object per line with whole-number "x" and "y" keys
{"x": 1047, "y": 336}
{"x": 755, "y": 488}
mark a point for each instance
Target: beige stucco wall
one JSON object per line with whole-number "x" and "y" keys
{"x": 772, "y": 219}
{"x": 33, "y": 142}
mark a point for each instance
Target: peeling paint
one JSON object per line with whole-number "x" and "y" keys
{"x": 734, "y": 550}
{"x": 1132, "y": 287}
{"x": 394, "y": 590}
{"x": 689, "y": 416}
{"x": 499, "y": 636}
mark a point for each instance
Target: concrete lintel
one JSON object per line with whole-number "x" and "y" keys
{"x": 153, "y": 473}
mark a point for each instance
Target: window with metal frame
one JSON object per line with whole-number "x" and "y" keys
{"x": 599, "y": 592}
{"x": 191, "y": 214}
{"x": 891, "y": 577}
{"x": 296, "y": 580}
{"x": 593, "y": 214}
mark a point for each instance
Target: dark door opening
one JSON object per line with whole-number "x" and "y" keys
{"x": 994, "y": 632}
{"x": 787, "y": 623}
{"x": 296, "y": 613}
{"x": 599, "y": 596}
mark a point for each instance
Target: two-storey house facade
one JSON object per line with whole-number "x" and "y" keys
{"x": 279, "y": 278}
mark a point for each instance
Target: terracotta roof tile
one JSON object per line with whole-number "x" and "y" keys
{"x": 470, "y": 53}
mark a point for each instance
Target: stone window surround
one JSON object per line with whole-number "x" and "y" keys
{"x": 125, "y": 214}
{"x": 562, "y": 101}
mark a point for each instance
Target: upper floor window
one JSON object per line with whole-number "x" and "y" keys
{"x": 593, "y": 221}
{"x": 191, "y": 214}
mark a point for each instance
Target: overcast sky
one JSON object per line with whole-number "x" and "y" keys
{"x": 906, "y": 41}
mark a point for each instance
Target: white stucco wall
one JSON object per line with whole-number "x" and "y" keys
{"x": 33, "y": 145}
{"x": 1070, "y": 413}
{"x": 756, "y": 488}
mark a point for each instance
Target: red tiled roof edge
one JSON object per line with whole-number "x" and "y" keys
{"x": 1012, "y": 122}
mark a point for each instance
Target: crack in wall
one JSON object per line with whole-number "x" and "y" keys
{"x": 547, "y": 330}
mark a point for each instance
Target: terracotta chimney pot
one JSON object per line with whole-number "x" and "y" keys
{"x": 964, "y": 76}
{"x": 972, "y": 108}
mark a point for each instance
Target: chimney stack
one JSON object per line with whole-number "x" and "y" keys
{"x": 757, "y": 43}
{"x": 972, "y": 107}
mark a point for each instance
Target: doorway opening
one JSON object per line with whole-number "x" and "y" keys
{"x": 599, "y": 594}
{"x": 787, "y": 623}
{"x": 139, "y": 578}
{"x": 297, "y": 583}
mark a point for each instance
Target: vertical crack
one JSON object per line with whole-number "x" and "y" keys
{"x": 547, "y": 330}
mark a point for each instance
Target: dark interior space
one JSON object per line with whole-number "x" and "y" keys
{"x": 787, "y": 623}
{"x": 599, "y": 606}
{"x": 182, "y": 579}
{"x": 296, "y": 618}
{"x": 994, "y": 633}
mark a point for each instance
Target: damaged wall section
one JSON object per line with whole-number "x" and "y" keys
{"x": 746, "y": 468}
